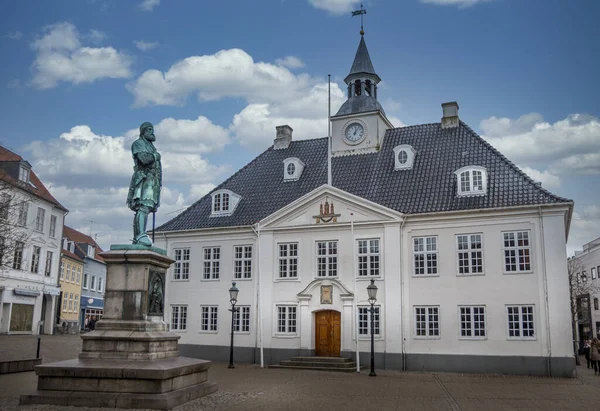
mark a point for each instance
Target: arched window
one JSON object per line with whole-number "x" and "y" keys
{"x": 224, "y": 202}
{"x": 368, "y": 89}
{"x": 471, "y": 180}
{"x": 357, "y": 88}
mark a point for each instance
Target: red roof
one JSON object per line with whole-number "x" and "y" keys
{"x": 38, "y": 189}
{"x": 69, "y": 254}
{"x": 79, "y": 237}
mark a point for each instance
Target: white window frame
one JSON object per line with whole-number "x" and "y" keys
{"x": 179, "y": 317}
{"x": 48, "y": 266}
{"x": 181, "y": 268}
{"x": 23, "y": 212}
{"x": 410, "y": 157}
{"x": 364, "y": 310}
{"x": 369, "y": 264}
{"x": 17, "y": 262}
{"x": 517, "y": 248}
{"x": 471, "y": 189}
{"x": 65, "y": 301}
{"x": 70, "y": 302}
{"x": 93, "y": 283}
{"x": 329, "y": 258}
{"x": 429, "y": 323}
{"x": 86, "y": 280}
{"x": 222, "y": 198}
{"x": 289, "y": 323}
{"x": 520, "y": 308}
{"x": 213, "y": 264}
{"x": 76, "y": 303}
{"x": 78, "y": 278}
{"x": 298, "y": 168}
{"x": 467, "y": 316}
{"x": 91, "y": 251}
{"x": 470, "y": 251}
{"x": 100, "y": 285}
{"x": 62, "y": 270}
{"x": 24, "y": 174}
{"x": 39, "y": 219}
{"x": 36, "y": 255}
{"x": 435, "y": 251}
{"x": 52, "y": 231}
{"x": 241, "y": 319}
{"x": 284, "y": 272}
{"x": 242, "y": 264}
{"x": 593, "y": 272}
{"x": 209, "y": 319}
{"x": 5, "y": 200}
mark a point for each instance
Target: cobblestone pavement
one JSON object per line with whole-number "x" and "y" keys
{"x": 247, "y": 387}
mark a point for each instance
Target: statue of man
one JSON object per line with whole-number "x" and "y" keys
{"x": 144, "y": 189}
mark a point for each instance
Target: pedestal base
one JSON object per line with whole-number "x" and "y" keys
{"x": 159, "y": 384}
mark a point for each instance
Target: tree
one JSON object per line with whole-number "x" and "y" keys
{"x": 580, "y": 286}
{"x": 14, "y": 236}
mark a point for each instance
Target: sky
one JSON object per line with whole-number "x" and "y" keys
{"x": 78, "y": 77}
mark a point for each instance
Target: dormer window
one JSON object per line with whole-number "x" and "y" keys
{"x": 72, "y": 246}
{"x": 292, "y": 169}
{"x": 404, "y": 157}
{"x": 471, "y": 180}
{"x": 24, "y": 174}
{"x": 91, "y": 251}
{"x": 224, "y": 202}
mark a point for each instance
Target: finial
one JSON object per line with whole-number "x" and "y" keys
{"x": 362, "y": 32}
{"x": 360, "y": 13}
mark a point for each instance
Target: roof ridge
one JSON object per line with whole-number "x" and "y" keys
{"x": 513, "y": 165}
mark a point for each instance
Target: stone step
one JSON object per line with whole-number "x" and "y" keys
{"x": 323, "y": 359}
{"x": 318, "y": 364}
{"x": 333, "y": 369}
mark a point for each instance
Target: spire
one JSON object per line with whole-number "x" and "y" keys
{"x": 362, "y": 62}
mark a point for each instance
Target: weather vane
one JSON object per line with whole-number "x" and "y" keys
{"x": 360, "y": 13}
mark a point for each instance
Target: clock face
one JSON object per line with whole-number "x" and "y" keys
{"x": 354, "y": 132}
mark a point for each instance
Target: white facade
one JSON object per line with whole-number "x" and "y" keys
{"x": 28, "y": 296}
{"x": 542, "y": 289}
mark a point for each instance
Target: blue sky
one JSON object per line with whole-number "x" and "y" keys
{"x": 79, "y": 76}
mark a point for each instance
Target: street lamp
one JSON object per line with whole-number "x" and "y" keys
{"x": 233, "y": 294}
{"x": 372, "y": 291}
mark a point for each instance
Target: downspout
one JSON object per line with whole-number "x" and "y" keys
{"x": 166, "y": 282}
{"x": 545, "y": 279}
{"x": 259, "y": 322}
{"x": 402, "y": 322}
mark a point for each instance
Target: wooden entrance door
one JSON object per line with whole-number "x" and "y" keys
{"x": 328, "y": 333}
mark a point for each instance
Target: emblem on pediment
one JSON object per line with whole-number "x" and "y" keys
{"x": 326, "y": 213}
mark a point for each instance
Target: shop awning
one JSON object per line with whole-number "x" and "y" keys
{"x": 28, "y": 293}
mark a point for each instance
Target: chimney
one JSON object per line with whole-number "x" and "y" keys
{"x": 283, "y": 138}
{"x": 450, "y": 118}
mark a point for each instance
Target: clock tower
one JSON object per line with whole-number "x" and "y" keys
{"x": 360, "y": 124}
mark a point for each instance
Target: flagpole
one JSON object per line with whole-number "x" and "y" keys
{"x": 355, "y": 294}
{"x": 329, "y": 132}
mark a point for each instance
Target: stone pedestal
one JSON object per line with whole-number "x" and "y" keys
{"x": 131, "y": 360}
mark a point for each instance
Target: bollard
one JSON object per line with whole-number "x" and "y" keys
{"x": 37, "y": 354}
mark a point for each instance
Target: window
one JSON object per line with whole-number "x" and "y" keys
{"x": 18, "y": 255}
{"x": 62, "y": 270}
{"x": 181, "y": 269}
{"x": 593, "y": 273}
{"x": 596, "y": 304}
{"x": 2, "y": 249}
{"x": 221, "y": 202}
{"x": 404, "y": 156}
{"x": 24, "y": 174}
{"x": 472, "y": 322}
{"x": 292, "y": 169}
{"x": 364, "y": 321}
{"x": 35, "y": 259}
{"x": 76, "y": 303}
{"x": 48, "y": 269}
{"x": 368, "y": 258}
{"x": 212, "y": 257}
{"x": 472, "y": 180}
{"x": 72, "y": 270}
{"x": 520, "y": 322}
{"x": 179, "y": 317}
{"x": 93, "y": 283}
{"x": 70, "y": 301}
{"x": 72, "y": 246}
{"x": 425, "y": 255}
{"x": 241, "y": 319}
{"x": 68, "y": 277}
{"x": 286, "y": 319}
{"x": 85, "y": 280}
{"x": 4, "y": 206}
{"x": 23, "y": 210}
{"x": 91, "y": 252}
{"x": 242, "y": 262}
{"x": 224, "y": 202}
{"x": 470, "y": 254}
{"x": 65, "y": 301}
{"x": 52, "y": 226}
{"x": 327, "y": 258}
{"x": 100, "y": 284}
{"x": 427, "y": 322}
{"x": 209, "y": 318}
{"x": 288, "y": 260}
{"x": 78, "y": 280}
{"x": 39, "y": 219}
{"x": 517, "y": 252}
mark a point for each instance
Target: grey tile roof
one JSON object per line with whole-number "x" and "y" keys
{"x": 359, "y": 104}
{"x": 430, "y": 186}
{"x": 362, "y": 61}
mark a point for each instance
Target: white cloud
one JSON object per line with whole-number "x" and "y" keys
{"x": 61, "y": 57}
{"x": 200, "y": 135}
{"x": 549, "y": 181}
{"x": 145, "y": 46}
{"x": 336, "y": 6}
{"x": 568, "y": 145}
{"x": 14, "y": 35}
{"x": 148, "y": 5}
{"x": 459, "y": 3}
{"x": 197, "y": 191}
{"x": 291, "y": 62}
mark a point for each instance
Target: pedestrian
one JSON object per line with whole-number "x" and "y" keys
{"x": 92, "y": 323}
{"x": 595, "y": 354}
{"x": 587, "y": 353}
{"x": 86, "y": 322}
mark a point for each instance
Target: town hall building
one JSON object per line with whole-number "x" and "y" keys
{"x": 467, "y": 252}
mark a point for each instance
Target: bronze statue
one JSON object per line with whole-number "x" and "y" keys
{"x": 144, "y": 189}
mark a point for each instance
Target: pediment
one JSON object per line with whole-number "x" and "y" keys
{"x": 38, "y": 239}
{"x": 329, "y": 206}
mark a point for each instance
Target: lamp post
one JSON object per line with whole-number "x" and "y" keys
{"x": 372, "y": 292}
{"x": 233, "y": 294}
